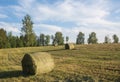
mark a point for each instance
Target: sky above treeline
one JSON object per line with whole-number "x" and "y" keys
{"x": 67, "y": 16}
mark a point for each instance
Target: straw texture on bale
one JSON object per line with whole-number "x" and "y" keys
{"x": 55, "y": 45}
{"x": 37, "y": 63}
{"x": 69, "y": 46}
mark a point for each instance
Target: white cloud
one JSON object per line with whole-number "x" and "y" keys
{"x": 3, "y": 16}
{"x": 68, "y": 10}
{"x": 9, "y": 27}
{"x": 46, "y": 29}
{"x": 117, "y": 11}
{"x": 92, "y": 16}
{"x": 52, "y": 28}
{"x": 87, "y": 15}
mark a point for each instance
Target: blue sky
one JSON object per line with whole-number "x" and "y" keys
{"x": 68, "y": 16}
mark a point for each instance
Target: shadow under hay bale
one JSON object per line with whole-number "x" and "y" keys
{"x": 10, "y": 74}
{"x": 69, "y": 46}
{"x": 37, "y": 63}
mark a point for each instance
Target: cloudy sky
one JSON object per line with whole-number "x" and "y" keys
{"x": 68, "y": 16}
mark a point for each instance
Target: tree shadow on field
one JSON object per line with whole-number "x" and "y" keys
{"x": 10, "y": 74}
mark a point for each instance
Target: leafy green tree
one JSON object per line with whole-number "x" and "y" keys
{"x": 53, "y": 39}
{"x": 92, "y": 38}
{"x": 9, "y": 36}
{"x": 107, "y": 40}
{"x": 22, "y": 41}
{"x": 47, "y": 40}
{"x": 115, "y": 38}
{"x": 38, "y": 41}
{"x": 27, "y": 31}
{"x": 3, "y": 39}
{"x": 42, "y": 39}
{"x": 59, "y": 39}
{"x": 12, "y": 40}
{"x": 33, "y": 39}
{"x": 19, "y": 42}
{"x": 80, "y": 38}
{"x": 67, "y": 38}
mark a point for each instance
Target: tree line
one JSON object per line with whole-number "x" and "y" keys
{"x": 93, "y": 39}
{"x": 28, "y": 37}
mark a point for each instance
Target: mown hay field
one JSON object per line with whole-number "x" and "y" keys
{"x": 85, "y": 63}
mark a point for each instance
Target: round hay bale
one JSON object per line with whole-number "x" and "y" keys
{"x": 55, "y": 45}
{"x": 69, "y": 46}
{"x": 37, "y": 63}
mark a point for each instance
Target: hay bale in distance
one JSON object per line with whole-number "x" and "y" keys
{"x": 55, "y": 45}
{"x": 69, "y": 46}
{"x": 37, "y": 63}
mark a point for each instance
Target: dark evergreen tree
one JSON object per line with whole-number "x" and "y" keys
{"x": 3, "y": 39}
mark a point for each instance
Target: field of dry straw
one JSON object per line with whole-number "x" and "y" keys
{"x": 85, "y": 63}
